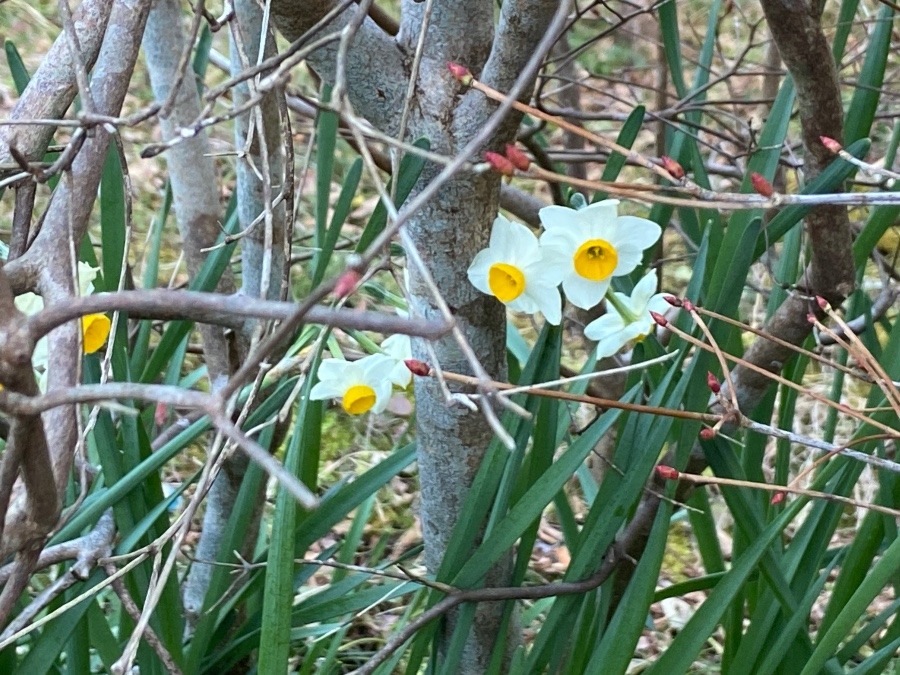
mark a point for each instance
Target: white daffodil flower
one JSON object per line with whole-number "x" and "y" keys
{"x": 362, "y": 385}
{"x": 513, "y": 270}
{"x": 627, "y": 318}
{"x": 95, "y": 327}
{"x": 399, "y": 348}
{"x": 592, "y": 245}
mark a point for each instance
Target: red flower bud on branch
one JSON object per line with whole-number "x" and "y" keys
{"x": 667, "y": 472}
{"x": 823, "y": 303}
{"x": 519, "y": 159}
{"x": 672, "y": 300}
{"x": 761, "y": 184}
{"x": 688, "y": 305}
{"x": 777, "y": 498}
{"x": 811, "y": 318}
{"x": 831, "y": 144}
{"x": 712, "y": 382}
{"x": 500, "y": 164}
{"x": 461, "y": 73}
{"x": 161, "y": 414}
{"x": 417, "y": 367}
{"x": 707, "y": 434}
{"x": 659, "y": 319}
{"x": 672, "y": 167}
{"x": 347, "y": 283}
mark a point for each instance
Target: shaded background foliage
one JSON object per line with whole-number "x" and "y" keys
{"x": 269, "y": 169}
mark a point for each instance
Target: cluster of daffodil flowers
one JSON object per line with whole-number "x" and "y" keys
{"x": 582, "y": 249}
{"x": 366, "y": 385}
{"x": 94, "y": 327}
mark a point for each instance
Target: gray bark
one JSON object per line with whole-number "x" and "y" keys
{"x": 46, "y": 266}
{"x": 52, "y": 89}
{"x": 266, "y": 238}
{"x": 450, "y": 229}
{"x": 196, "y": 197}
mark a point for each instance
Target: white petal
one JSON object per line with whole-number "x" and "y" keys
{"x": 522, "y": 245}
{"x": 636, "y": 329}
{"x": 376, "y": 368}
{"x": 607, "y": 325}
{"x": 583, "y": 292}
{"x": 558, "y": 218}
{"x": 503, "y": 233}
{"x": 478, "y": 270}
{"x": 557, "y": 253}
{"x": 401, "y": 375}
{"x": 610, "y": 344}
{"x": 325, "y": 390}
{"x": 548, "y": 271}
{"x": 86, "y": 276}
{"x": 643, "y": 291}
{"x": 547, "y": 300}
{"x": 599, "y": 212}
{"x": 41, "y": 354}
{"x": 629, "y": 258}
{"x": 640, "y": 232}
{"x": 334, "y": 369}
{"x": 382, "y": 396}
{"x": 607, "y": 230}
{"x": 398, "y": 346}
{"x": 29, "y": 303}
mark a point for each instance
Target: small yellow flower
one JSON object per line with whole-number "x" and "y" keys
{"x": 95, "y": 327}
{"x": 513, "y": 270}
{"x": 592, "y": 245}
{"x": 362, "y": 385}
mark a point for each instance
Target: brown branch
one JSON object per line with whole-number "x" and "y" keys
{"x": 223, "y": 310}
{"x": 53, "y": 87}
{"x": 150, "y": 636}
{"x": 496, "y": 594}
{"x": 86, "y": 551}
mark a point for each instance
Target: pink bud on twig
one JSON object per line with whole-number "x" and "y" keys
{"x": 761, "y": 184}
{"x": 500, "y": 164}
{"x": 667, "y": 472}
{"x": 519, "y": 159}
{"x": 672, "y": 300}
{"x": 347, "y": 283}
{"x": 831, "y": 144}
{"x": 461, "y": 73}
{"x": 417, "y": 367}
{"x": 672, "y": 167}
{"x": 712, "y": 382}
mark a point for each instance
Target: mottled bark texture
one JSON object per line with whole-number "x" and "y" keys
{"x": 192, "y": 174}
{"x": 262, "y": 269}
{"x": 52, "y": 89}
{"x": 47, "y": 265}
{"x": 796, "y": 28}
{"x": 450, "y": 229}
{"x": 191, "y": 169}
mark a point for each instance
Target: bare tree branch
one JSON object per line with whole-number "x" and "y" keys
{"x": 52, "y": 89}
